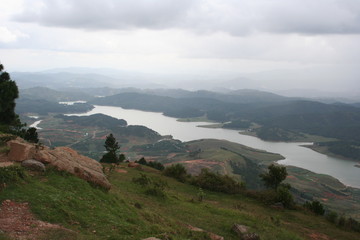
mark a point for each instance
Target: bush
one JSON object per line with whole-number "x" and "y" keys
{"x": 349, "y": 224}
{"x": 216, "y": 182}
{"x": 315, "y": 206}
{"x": 153, "y": 187}
{"x": 332, "y": 217}
{"x": 157, "y": 188}
{"x": 31, "y": 135}
{"x": 284, "y": 196}
{"x": 152, "y": 164}
{"x": 176, "y": 171}
{"x": 143, "y": 180}
{"x": 11, "y": 174}
{"x": 274, "y": 176}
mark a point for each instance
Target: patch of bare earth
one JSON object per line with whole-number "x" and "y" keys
{"x": 18, "y": 222}
{"x": 121, "y": 171}
{"x": 194, "y": 166}
{"x": 318, "y": 236}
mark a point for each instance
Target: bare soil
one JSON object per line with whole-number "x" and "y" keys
{"x": 18, "y": 222}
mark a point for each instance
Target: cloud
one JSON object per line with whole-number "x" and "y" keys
{"x": 236, "y": 17}
{"x": 8, "y": 36}
{"x": 105, "y": 14}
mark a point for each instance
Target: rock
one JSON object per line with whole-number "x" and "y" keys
{"x": 213, "y": 236}
{"x": 134, "y": 165}
{"x": 34, "y": 165}
{"x": 62, "y": 158}
{"x": 251, "y": 236}
{"x": 240, "y": 229}
{"x": 20, "y": 150}
{"x": 243, "y": 232}
{"x": 67, "y": 159}
{"x": 278, "y": 205}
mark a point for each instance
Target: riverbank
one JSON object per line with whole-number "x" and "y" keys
{"x": 324, "y": 150}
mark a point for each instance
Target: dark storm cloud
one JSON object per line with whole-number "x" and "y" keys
{"x": 236, "y": 17}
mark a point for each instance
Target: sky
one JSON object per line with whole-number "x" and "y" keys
{"x": 277, "y": 44}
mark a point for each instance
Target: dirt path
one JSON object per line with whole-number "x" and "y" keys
{"x": 18, "y": 222}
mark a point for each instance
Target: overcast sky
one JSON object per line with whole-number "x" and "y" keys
{"x": 286, "y": 43}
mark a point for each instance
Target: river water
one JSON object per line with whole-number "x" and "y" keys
{"x": 294, "y": 154}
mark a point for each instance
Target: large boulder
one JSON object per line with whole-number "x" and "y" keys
{"x": 69, "y": 160}
{"x": 20, "y": 150}
{"x": 62, "y": 158}
{"x": 34, "y": 165}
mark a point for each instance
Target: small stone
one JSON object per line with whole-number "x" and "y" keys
{"x": 240, "y": 229}
{"x": 251, "y": 236}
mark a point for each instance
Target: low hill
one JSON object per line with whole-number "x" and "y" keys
{"x": 76, "y": 210}
{"x": 52, "y": 95}
{"x": 44, "y": 107}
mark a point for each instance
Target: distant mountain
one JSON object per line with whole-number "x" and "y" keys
{"x": 356, "y": 104}
{"x": 60, "y": 80}
{"x": 53, "y": 95}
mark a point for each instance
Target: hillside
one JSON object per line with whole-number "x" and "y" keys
{"x": 128, "y": 212}
{"x": 87, "y": 134}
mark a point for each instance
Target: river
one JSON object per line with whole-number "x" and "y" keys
{"x": 294, "y": 154}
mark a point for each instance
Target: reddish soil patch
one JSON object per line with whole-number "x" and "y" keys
{"x": 3, "y": 157}
{"x": 121, "y": 171}
{"x": 318, "y": 236}
{"x": 291, "y": 177}
{"x": 18, "y": 222}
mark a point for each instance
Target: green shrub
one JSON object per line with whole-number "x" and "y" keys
{"x": 176, "y": 171}
{"x": 332, "y": 217}
{"x": 152, "y": 187}
{"x": 152, "y": 164}
{"x": 342, "y": 221}
{"x": 217, "y": 182}
{"x": 143, "y": 180}
{"x": 11, "y": 174}
{"x": 352, "y": 224}
{"x": 284, "y": 196}
{"x": 274, "y": 176}
{"x": 315, "y": 206}
{"x": 157, "y": 188}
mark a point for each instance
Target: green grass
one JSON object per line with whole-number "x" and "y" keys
{"x": 127, "y": 212}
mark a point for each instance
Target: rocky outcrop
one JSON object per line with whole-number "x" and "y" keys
{"x": 62, "y": 158}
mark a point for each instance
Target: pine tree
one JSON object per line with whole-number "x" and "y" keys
{"x": 8, "y": 93}
{"x": 111, "y": 146}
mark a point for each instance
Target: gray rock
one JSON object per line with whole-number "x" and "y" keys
{"x": 251, "y": 236}
{"x": 34, "y": 165}
{"x": 243, "y": 232}
{"x": 240, "y": 229}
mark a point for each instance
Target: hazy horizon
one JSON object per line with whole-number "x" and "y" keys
{"x": 260, "y": 44}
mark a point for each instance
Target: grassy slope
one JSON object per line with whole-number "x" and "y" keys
{"x": 94, "y": 214}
